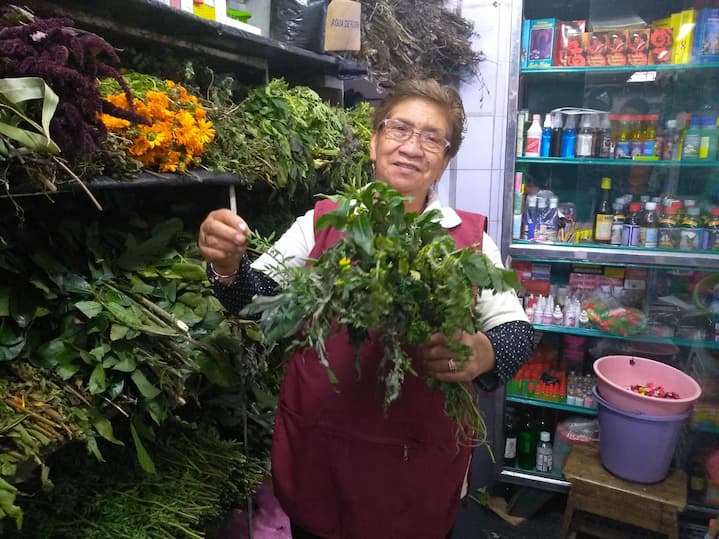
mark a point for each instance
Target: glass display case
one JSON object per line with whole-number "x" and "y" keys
{"x": 612, "y": 217}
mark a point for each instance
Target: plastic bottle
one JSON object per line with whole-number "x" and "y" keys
{"x": 668, "y": 232}
{"x": 617, "y": 222}
{"x": 534, "y": 137}
{"x": 544, "y": 453}
{"x": 669, "y": 146}
{"x": 710, "y": 240}
{"x": 603, "y": 214}
{"x": 569, "y": 137}
{"x": 637, "y": 135}
{"x": 623, "y": 147}
{"x": 529, "y": 222}
{"x": 709, "y": 138}
{"x": 630, "y": 233}
{"x": 650, "y": 135}
{"x": 546, "y": 142}
{"x": 550, "y": 221}
{"x": 603, "y": 145}
{"x": 584, "y": 146}
{"x": 689, "y": 231}
{"x": 648, "y": 230}
{"x": 692, "y": 140}
{"x": 555, "y": 146}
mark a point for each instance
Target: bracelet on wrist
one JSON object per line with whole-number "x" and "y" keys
{"x": 217, "y": 275}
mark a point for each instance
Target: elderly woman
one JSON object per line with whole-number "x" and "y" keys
{"x": 342, "y": 468}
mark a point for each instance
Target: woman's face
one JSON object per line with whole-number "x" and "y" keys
{"x": 406, "y": 166}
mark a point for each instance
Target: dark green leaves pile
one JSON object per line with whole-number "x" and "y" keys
{"x": 392, "y": 270}
{"x": 199, "y": 478}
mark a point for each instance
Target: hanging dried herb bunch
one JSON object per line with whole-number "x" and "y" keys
{"x": 416, "y": 39}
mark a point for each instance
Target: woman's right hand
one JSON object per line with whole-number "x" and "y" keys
{"x": 223, "y": 240}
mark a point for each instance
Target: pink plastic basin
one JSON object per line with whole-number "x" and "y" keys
{"x": 615, "y": 374}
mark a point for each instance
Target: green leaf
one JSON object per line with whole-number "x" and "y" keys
{"x": 146, "y": 388}
{"x": 118, "y": 331}
{"x": 97, "y": 383}
{"x": 53, "y": 352}
{"x": 12, "y": 341}
{"x": 123, "y": 315}
{"x": 127, "y": 363}
{"x": 103, "y": 426}
{"x": 360, "y": 231}
{"x": 13, "y": 93}
{"x": 66, "y": 369}
{"x": 89, "y": 308}
{"x": 143, "y": 457}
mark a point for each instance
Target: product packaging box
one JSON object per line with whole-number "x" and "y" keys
{"x": 541, "y": 42}
{"x": 342, "y": 26}
{"x": 524, "y": 51}
{"x": 660, "y": 44}
{"x": 569, "y": 43}
{"x": 638, "y": 47}
{"x": 683, "y": 24}
{"x": 617, "y": 50}
{"x": 597, "y": 46}
{"x": 205, "y": 9}
{"x": 706, "y": 37}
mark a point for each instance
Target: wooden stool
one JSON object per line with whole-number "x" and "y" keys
{"x": 594, "y": 490}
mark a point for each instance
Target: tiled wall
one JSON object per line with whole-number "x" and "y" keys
{"x": 474, "y": 179}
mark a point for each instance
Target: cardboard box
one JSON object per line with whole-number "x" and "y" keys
{"x": 660, "y": 41}
{"x": 597, "y": 46}
{"x": 569, "y": 49}
{"x": 638, "y": 47}
{"x": 617, "y": 49}
{"x": 342, "y": 26}
{"x": 541, "y": 42}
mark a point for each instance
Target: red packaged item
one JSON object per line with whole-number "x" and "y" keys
{"x": 617, "y": 48}
{"x": 597, "y": 46}
{"x": 660, "y": 45}
{"x": 638, "y": 47}
{"x": 569, "y": 43}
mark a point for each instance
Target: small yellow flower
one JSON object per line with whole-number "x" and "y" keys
{"x": 345, "y": 263}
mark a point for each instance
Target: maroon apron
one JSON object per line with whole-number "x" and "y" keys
{"x": 342, "y": 467}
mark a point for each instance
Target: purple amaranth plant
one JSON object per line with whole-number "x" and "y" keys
{"x": 70, "y": 61}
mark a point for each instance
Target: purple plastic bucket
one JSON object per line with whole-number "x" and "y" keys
{"x": 637, "y": 447}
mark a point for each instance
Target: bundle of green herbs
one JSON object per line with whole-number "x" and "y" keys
{"x": 200, "y": 477}
{"x": 395, "y": 270}
{"x": 288, "y": 138}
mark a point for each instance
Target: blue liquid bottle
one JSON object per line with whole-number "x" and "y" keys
{"x": 569, "y": 137}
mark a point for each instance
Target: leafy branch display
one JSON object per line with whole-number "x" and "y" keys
{"x": 394, "y": 272}
{"x": 123, "y": 319}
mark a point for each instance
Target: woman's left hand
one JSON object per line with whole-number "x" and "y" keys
{"x": 440, "y": 362}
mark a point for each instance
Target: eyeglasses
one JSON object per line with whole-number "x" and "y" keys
{"x": 402, "y": 132}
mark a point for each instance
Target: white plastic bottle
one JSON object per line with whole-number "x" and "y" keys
{"x": 534, "y": 137}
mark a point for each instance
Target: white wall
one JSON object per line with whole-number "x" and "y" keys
{"x": 474, "y": 179}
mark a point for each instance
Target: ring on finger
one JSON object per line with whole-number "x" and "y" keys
{"x": 451, "y": 365}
